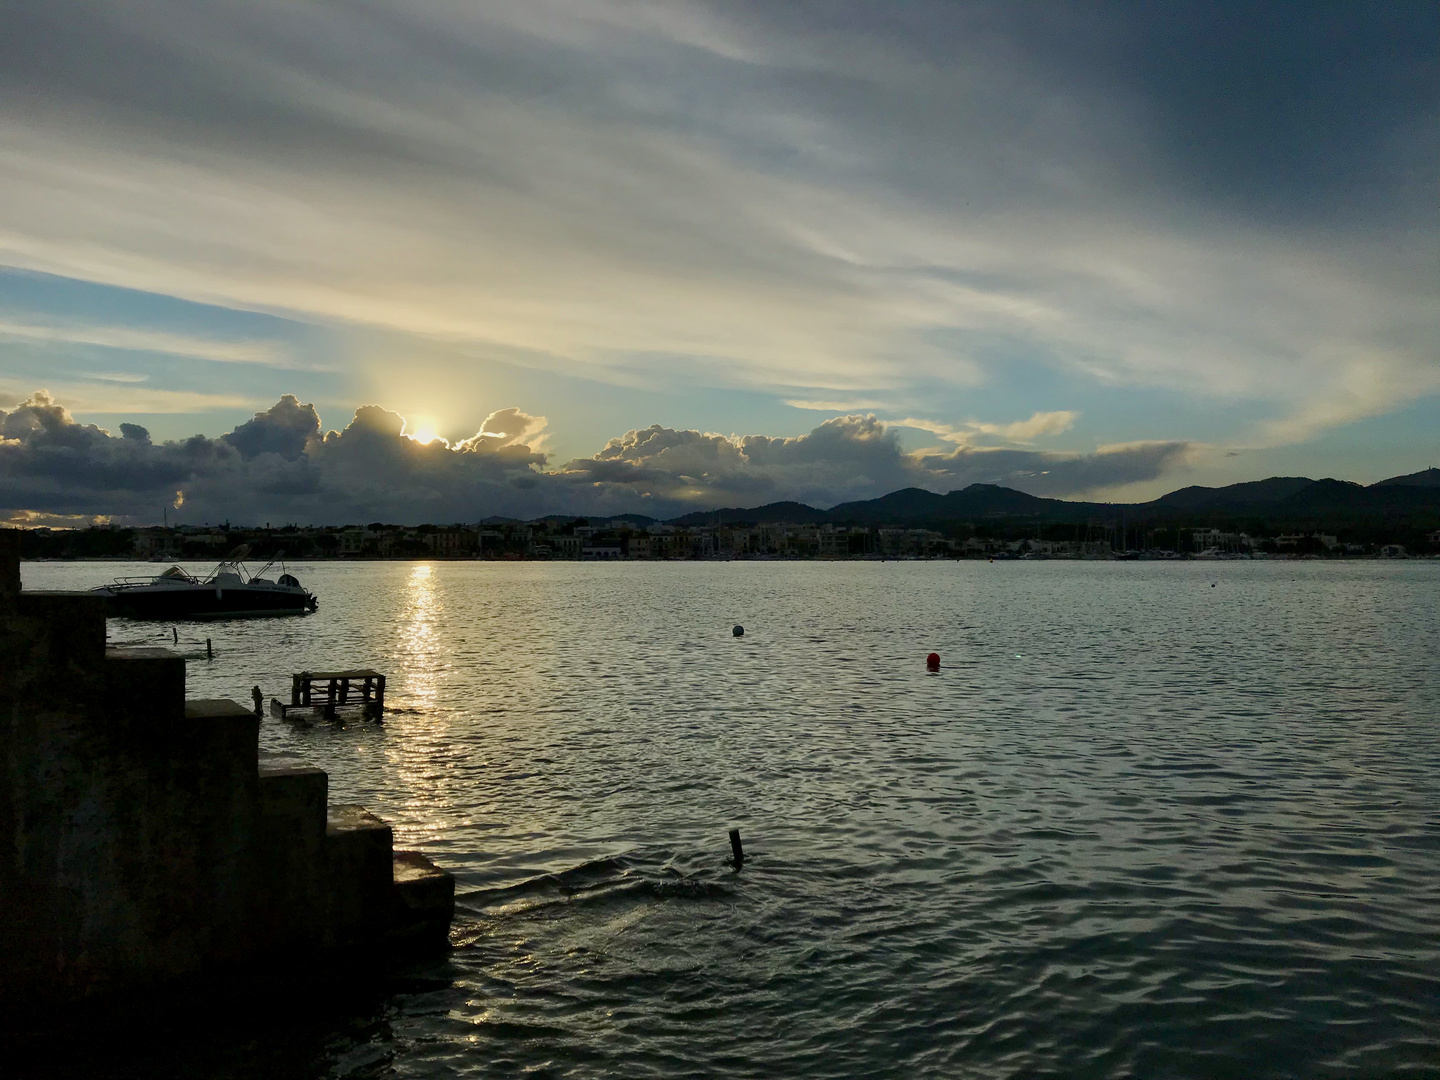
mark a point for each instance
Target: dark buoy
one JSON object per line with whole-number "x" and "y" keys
{"x": 933, "y": 661}
{"x": 736, "y": 849}
{"x": 738, "y": 631}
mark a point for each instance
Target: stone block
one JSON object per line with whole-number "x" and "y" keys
{"x": 426, "y": 900}
{"x": 71, "y": 625}
{"x": 9, "y": 565}
{"x": 358, "y": 849}
{"x": 290, "y": 839}
{"x": 142, "y": 686}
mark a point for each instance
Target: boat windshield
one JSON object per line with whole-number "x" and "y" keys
{"x": 231, "y": 566}
{"x": 176, "y": 574}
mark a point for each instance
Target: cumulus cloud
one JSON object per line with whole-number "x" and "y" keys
{"x": 286, "y": 428}
{"x": 507, "y": 428}
{"x": 278, "y": 466}
{"x": 848, "y": 457}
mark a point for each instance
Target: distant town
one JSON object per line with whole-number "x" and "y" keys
{"x": 1282, "y": 517}
{"x": 586, "y": 540}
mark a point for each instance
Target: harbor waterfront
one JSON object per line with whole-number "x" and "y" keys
{"x": 1153, "y": 819}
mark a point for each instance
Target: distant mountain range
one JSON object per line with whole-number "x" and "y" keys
{"x": 1292, "y": 498}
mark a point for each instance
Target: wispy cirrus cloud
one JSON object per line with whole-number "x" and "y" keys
{"x": 833, "y": 405}
{"x": 1037, "y": 425}
{"x": 837, "y": 206}
{"x": 105, "y": 396}
{"x": 134, "y": 339}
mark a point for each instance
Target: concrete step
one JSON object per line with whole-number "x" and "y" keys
{"x": 358, "y": 848}
{"x": 72, "y": 624}
{"x": 220, "y": 729}
{"x": 426, "y": 901}
{"x": 143, "y": 685}
{"x": 290, "y": 849}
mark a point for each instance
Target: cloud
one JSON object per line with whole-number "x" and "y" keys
{"x": 834, "y": 406}
{"x": 286, "y": 429}
{"x": 278, "y": 466}
{"x": 1059, "y": 475}
{"x": 839, "y": 206}
{"x": 1020, "y": 431}
{"x": 153, "y": 341}
{"x": 110, "y": 399}
{"x": 846, "y": 458}
{"x": 507, "y": 428}
{"x": 1360, "y": 386}
{"x": 31, "y": 519}
{"x": 1040, "y": 423}
{"x": 49, "y": 463}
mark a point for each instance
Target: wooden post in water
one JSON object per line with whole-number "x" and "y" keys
{"x": 735, "y": 847}
{"x": 209, "y": 652}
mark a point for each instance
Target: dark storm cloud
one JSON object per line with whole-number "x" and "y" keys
{"x": 285, "y": 429}
{"x": 51, "y": 465}
{"x": 849, "y": 457}
{"x": 1055, "y": 475}
{"x": 276, "y": 465}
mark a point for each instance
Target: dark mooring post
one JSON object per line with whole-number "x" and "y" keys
{"x": 736, "y": 848}
{"x": 209, "y": 652}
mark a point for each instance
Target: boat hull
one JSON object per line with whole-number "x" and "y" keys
{"x": 177, "y": 604}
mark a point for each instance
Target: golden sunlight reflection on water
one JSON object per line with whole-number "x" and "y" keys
{"x": 417, "y": 645}
{"x": 420, "y": 648}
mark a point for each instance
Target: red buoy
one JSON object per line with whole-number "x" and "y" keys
{"x": 933, "y": 661}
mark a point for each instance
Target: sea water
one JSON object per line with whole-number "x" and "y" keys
{"x": 1147, "y": 819}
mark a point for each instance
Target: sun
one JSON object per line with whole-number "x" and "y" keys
{"x": 425, "y": 430}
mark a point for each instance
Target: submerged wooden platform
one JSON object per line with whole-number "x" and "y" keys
{"x": 330, "y": 690}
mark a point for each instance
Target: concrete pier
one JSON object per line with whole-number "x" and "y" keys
{"x": 144, "y": 839}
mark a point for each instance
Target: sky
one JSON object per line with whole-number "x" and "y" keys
{"x": 446, "y": 259}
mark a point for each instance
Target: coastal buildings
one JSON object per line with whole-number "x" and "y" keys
{"x": 626, "y": 539}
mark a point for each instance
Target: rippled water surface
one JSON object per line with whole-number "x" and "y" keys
{"x": 1148, "y": 819}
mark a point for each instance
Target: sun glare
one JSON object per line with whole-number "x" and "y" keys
{"x": 422, "y": 429}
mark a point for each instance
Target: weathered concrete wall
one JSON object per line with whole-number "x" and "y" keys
{"x": 142, "y": 838}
